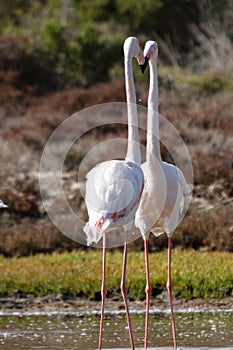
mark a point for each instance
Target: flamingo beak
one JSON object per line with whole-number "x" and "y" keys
{"x": 144, "y": 65}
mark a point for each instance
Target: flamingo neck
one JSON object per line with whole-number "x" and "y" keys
{"x": 153, "y": 146}
{"x": 133, "y": 148}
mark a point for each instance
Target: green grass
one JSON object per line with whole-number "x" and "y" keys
{"x": 195, "y": 274}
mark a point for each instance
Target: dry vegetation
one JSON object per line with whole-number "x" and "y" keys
{"x": 202, "y": 116}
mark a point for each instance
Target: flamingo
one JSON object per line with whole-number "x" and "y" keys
{"x": 3, "y": 205}
{"x": 162, "y": 200}
{"x": 114, "y": 187}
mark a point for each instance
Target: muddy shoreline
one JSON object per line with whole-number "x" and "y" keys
{"x": 71, "y": 303}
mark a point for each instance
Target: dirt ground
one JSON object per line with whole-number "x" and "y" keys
{"x": 71, "y": 303}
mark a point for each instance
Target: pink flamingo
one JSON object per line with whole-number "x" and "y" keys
{"x": 114, "y": 187}
{"x": 163, "y": 196}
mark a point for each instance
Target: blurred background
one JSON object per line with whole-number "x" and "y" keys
{"x": 58, "y": 57}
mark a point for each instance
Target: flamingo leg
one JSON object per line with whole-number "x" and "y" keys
{"x": 103, "y": 292}
{"x": 169, "y": 288}
{"x": 124, "y": 290}
{"x": 148, "y": 292}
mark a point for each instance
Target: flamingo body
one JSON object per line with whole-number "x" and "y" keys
{"x": 113, "y": 191}
{"x": 162, "y": 199}
{"x": 114, "y": 187}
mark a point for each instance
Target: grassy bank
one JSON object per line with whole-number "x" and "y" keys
{"x": 195, "y": 274}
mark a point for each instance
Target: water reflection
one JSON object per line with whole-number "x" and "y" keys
{"x": 72, "y": 331}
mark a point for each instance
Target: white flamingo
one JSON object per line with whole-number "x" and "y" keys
{"x": 3, "y": 205}
{"x": 163, "y": 196}
{"x": 114, "y": 187}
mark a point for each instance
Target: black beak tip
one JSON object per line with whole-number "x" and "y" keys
{"x": 144, "y": 65}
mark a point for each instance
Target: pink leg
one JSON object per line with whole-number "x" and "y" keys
{"x": 124, "y": 290}
{"x": 169, "y": 288}
{"x": 103, "y": 292}
{"x": 148, "y": 291}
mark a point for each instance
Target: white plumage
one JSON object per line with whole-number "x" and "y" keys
{"x": 162, "y": 201}
{"x": 114, "y": 187}
{"x": 113, "y": 191}
{"x": 3, "y": 205}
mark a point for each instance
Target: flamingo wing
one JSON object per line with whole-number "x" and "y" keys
{"x": 153, "y": 200}
{"x": 113, "y": 191}
{"x": 162, "y": 201}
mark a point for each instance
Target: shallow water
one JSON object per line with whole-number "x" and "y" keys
{"x": 69, "y": 331}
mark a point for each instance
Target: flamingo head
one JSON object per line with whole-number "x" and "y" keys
{"x": 150, "y": 53}
{"x": 132, "y": 48}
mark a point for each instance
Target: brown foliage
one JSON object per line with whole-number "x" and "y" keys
{"x": 204, "y": 122}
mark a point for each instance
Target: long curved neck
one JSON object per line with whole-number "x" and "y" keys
{"x": 133, "y": 148}
{"x": 153, "y": 146}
